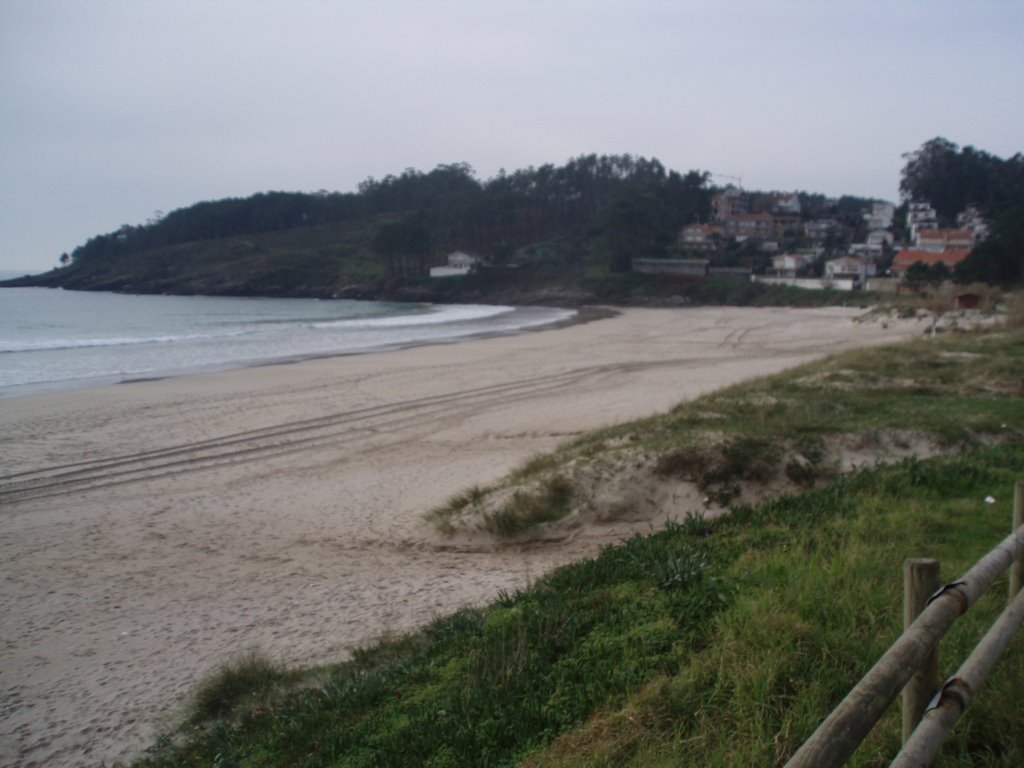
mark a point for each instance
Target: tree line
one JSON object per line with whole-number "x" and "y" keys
{"x": 623, "y": 201}
{"x": 952, "y": 178}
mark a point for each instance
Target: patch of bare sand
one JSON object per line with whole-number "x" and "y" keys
{"x": 152, "y": 530}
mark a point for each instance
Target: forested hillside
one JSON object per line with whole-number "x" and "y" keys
{"x": 594, "y": 211}
{"x": 556, "y": 234}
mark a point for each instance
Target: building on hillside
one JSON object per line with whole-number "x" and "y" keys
{"x": 880, "y": 216}
{"x": 879, "y": 237}
{"x": 920, "y": 216}
{"x": 789, "y": 264}
{"x": 457, "y": 263}
{"x": 783, "y": 223}
{"x": 849, "y": 267}
{"x": 972, "y": 219}
{"x": 876, "y": 241}
{"x": 938, "y": 240}
{"x": 906, "y": 259}
{"x": 786, "y": 204}
{"x": 759, "y": 226}
{"x": 818, "y": 230}
{"x": 728, "y": 203}
{"x": 698, "y": 237}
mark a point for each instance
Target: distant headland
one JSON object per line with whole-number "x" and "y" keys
{"x": 599, "y": 229}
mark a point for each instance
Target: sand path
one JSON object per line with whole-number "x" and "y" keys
{"x": 151, "y": 530}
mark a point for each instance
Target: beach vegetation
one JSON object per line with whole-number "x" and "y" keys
{"x": 720, "y": 642}
{"x": 444, "y": 516}
{"x": 245, "y": 680}
{"x": 525, "y": 509}
{"x": 781, "y": 433}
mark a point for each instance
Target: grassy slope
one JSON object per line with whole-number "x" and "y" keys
{"x": 719, "y": 643}
{"x": 955, "y": 391}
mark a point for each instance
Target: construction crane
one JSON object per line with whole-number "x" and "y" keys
{"x": 737, "y": 179}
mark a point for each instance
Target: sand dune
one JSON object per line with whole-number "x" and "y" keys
{"x": 153, "y": 529}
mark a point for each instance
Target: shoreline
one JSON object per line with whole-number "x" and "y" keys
{"x": 153, "y": 530}
{"x": 579, "y": 315}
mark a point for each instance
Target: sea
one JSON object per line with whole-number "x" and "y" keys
{"x": 55, "y": 339}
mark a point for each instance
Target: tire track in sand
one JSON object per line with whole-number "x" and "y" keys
{"x": 282, "y": 439}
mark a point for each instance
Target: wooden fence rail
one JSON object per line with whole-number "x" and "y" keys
{"x": 835, "y": 740}
{"x": 922, "y": 748}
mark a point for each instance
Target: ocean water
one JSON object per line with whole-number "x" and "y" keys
{"x": 52, "y": 339}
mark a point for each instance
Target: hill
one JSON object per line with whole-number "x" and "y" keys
{"x": 555, "y": 234}
{"x": 564, "y": 234}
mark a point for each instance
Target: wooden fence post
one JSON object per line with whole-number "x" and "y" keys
{"x": 839, "y": 735}
{"x": 920, "y": 580}
{"x": 1017, "y": 569}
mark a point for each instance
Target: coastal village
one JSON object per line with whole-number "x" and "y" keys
{"x": 873, "y": 249}
{"x": 777, "y": 239}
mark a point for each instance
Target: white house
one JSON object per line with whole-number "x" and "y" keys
{"x": 788, "y": 264}
{"x": 879, "y": 237}
{"x": 876, "y": 242}
{"x": 698, "y": 237}
{"x": 920, "y": 216}
{"x": 880, "y": 216}
{"x": 459, "y": 263}
{"x": 849, "y": 267}
{"x": 786, "y": 204}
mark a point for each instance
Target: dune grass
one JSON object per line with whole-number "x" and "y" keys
{"x": 956, "y": 391}
{"x": 241, "y": 681}
{"x": 717, "y": 643}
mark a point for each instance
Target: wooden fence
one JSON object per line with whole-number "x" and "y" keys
{"x": 911, "y": 663}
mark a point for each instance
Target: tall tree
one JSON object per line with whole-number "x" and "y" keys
{"x": 999, "y": 259}
{"x": 951, "y": 179}
{"x": 403, "y": 247}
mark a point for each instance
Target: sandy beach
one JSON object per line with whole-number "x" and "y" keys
{"x": 152, "y": 530}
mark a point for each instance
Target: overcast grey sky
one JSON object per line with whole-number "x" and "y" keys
{"x": 114, "y": 109}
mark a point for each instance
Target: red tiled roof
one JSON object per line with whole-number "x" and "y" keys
{"x": 950, "y": 258}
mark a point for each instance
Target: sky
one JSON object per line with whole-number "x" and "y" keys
{"x": 114, "y": 110}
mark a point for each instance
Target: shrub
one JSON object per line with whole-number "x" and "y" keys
{"x": 239, "y": 680}
{"x": 549, "y": 502}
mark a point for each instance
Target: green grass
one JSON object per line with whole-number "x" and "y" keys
{"x": 242, "y": 681}
{"x": 818, "y": 588}
{"x": 720, "y": 643}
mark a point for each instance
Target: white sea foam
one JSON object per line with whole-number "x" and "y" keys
{"x": 45, "y": 345}
{"x": 63, "y": 338}
{"x": 438, "y": 315}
